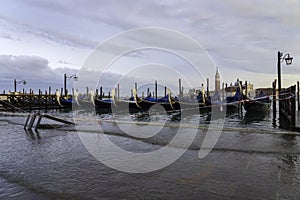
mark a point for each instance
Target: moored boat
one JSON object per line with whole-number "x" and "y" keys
{"x": 258, "y": 104}
{"x": 68, "y": 103}
{"x": 104, "y": 104}
{"x": 233, "y": 102}
{"x": 167, "y": 102}
{"x": 116, "y": 106}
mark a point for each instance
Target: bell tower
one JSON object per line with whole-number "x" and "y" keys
{"x": 217, "y": 81}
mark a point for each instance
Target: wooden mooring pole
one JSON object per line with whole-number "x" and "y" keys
{"x": 179, "y": 92}
{"x": 156, "y": 90}
{"x": 274, "y": 102}
{"x": 118, "y": 91}
{"x": 223, "y": 89}
{"x": 207, "y": 85}
{"x": 287, "y": 108}
{"x": 246, "y": 89}
{"x": 298, "y": 100}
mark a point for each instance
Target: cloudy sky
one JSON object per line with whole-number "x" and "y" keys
{"x": 42, "y": 40}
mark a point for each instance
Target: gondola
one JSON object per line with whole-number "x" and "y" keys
{"x": 104, "y": 104}
{"x": 167, "y": 102}
{"x": 201, "y": 103}
{"x": 75, "y": 102}
{"x": 116, "y": 106}
{"x": 68, "y": 103}
{"x": 173, "y": 104}
{"x": 258, "y": 104}
{"x": 233, "y": 102}
{"x": 162, "y": 104}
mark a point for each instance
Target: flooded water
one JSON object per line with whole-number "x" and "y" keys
{"x": 251, "y": 160}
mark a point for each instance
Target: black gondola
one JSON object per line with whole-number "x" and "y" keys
{"x": 258, "y": 104}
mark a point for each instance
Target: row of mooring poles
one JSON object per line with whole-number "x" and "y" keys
{"x": 180, "y": 89}
{"x": 40, "y": 100}
{"x": 100, "y": 94}
{"x": 30, "y": 91}
{"x": 155, "y": 93}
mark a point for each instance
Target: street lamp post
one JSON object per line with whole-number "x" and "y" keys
{"x": 18, "y": 82}
{"x": 65, "y": 81}
{"x": 280, "y": 58}
{"x": 288, "y": 60}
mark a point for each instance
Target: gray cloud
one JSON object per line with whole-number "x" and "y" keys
{"x": 39, "y": 75}
{"x": 61, "y": 37}
{"x": 239, "y": 35}
{"x": 7, "y": 36}
{"x": 210, "y": 21}
{"x": 34, "y": 69}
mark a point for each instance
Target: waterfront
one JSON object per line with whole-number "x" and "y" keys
{"x": 100, "y": 100}
{"x": 247, "y": 162}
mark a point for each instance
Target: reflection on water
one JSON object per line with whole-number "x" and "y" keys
{"x": 157, "y": 117}
{"x": 249, "y": 119}
{"x": 33, "y": 134}
{"x": 232, "y": 117}
{"x": 255, "y": 117}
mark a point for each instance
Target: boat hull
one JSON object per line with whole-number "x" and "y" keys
{"x": 68, "y": 104}
{"x": 256, "y": 106}
{"x": 145, "y": 106}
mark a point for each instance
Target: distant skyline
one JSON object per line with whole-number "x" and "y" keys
{"x": 42, "y": 40}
